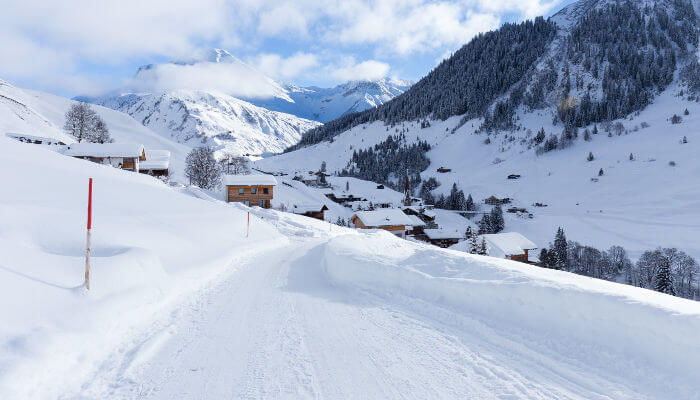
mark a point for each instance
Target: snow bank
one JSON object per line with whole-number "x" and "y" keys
{"x": 585, "y": 319}
{"x": 152, "y": 249}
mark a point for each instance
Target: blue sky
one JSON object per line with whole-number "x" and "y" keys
{"x": 89, "y": 47}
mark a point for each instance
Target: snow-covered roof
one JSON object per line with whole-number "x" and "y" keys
{"x": 15, "y": 135}
{"x": 105, "y": 150}
{"x": 249, "y": 180}
{"x": 415, "y": 221}
{"x": 156, "y": 160}
{"x": 306, "y": 208}
{"x": 507, "y": 244}
{"x": 384, "y": 217}
{"x": 438, "y": 234}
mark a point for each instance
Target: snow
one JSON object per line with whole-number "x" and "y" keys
{"x": 42, "y": 114}
{"x": 612, "y": 340}
{"x": 307, "y": 208}
{"x": 249, "y": 180}
{"x": 384, "y": 217}
{"x": 105, "y": 150}
{"x": 415, "y": 221}
{"x": 507, "y": 244}
{"x": 640, "y": 204}
{"x": 437, "y": 234}
{"x": 156, "y": 160}
{"x": 184, "y": 305}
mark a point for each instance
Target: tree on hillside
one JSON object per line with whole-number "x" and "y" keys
{"x": 590, "y": 156}
{"x": 202, "y": 169}
{"x": 664, "y": 282}
{"x": 233, "y": 164}
{"x": 559, "y": 248}
{"x": 470, "y": 203}
{"x": 83, "y": 123}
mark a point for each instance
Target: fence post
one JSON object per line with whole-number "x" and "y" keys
{"x": 247, "y": 229}
{"x": 88, "y": 245}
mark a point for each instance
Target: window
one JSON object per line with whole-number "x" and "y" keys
{"x": 253, "y": 190}
{"x": 241, "y": 190}
{"x": 263, "y": 203}
{"x": 266, "y": 191}
{"x": 247, "y": 203}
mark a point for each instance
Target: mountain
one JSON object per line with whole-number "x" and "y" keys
{"x": 197, "y": 117}
{"x": 539, "y": 115}
{"x": 215, "y": 98}
{"x": 326, "y": 104}
{"x": 594, "y": 61}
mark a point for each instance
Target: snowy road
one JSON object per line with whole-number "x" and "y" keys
{"x": 275, "y": 328}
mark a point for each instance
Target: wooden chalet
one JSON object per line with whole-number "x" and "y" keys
{"x": 251, "y": 190}
{"x": 417, "y": 226}
{"x": 510, "y": 245}
{"x": 442, "y": 237}
{"x": 493, "y": 200}
{"x": 157, "y": 163}
{"x": 126, "y": 156}
{"x": 388, "y": 219}
{"x": 310, "y": 210}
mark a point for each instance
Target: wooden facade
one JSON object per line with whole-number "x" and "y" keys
{"x": 251, "y": 195}
{"x": 391, "y": 228}
{"x": 520, "y": 257}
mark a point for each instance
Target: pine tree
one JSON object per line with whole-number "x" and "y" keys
{"x": 685, "y": 139}
{"x": 559, "y": 248}
{"x": 595, "y": 129}
{"x": 664, "y": 282}
{"x": 470, "y": 203}
{"x": 483, "y": 249}
{"x": 590, "y": 156}
{"x": 347, "y": 186}
{"x": 485, "y": 224}
{"x": 497, "y": 222}
{"x": 601, "y": 172}
{"x": 631, "y": 157}
{"x": 586, "y": 135}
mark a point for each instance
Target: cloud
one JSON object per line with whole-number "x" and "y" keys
{"x": 366, "y": 70}
{"x": 236, "y": 79}
{"x": 279, "y": 67}
{"x": 45, "y": 41}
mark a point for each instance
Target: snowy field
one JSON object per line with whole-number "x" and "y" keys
{"x": 640, "y": 204}
{"x": 183, "y": 305}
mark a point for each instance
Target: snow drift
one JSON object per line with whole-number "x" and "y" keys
{"x": 583, "y": 319}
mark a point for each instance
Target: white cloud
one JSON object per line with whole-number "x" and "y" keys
{"x": 45, "y": 41}
{"x": 279, "y": 67}
{"x": 236, "y": 79}
{"x": 366, "y": 70}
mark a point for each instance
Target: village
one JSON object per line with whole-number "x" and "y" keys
{"x": 313, "y": 194}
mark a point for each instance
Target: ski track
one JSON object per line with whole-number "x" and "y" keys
{"x": 275, "y": 328}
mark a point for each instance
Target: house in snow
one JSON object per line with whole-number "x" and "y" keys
{"x": 310, "y": 210}
{"x": 24, "y": 138}
{"x": 511, "y": 245}
{"x": 126, "y": 156}
{"x": 389, "y": 219}
{"x": 157, "y": 163}
{"x": 417, "y": 226}
{"x": 251, "y": 190}
{"x": 443, "y": 237}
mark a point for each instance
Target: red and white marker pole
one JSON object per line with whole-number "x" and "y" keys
{"x": 87, "y": 246}
{"x": 247, "y": 229}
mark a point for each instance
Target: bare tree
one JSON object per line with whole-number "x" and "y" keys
{"x": 83, "y": 123}
{"x": 202, "y": 169}
{"x": 233, "y": 164}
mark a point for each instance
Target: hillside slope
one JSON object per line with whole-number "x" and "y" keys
{"x": 184, "y": 305}
{"x": 42, "y": 114}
